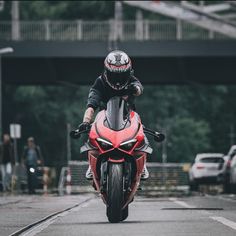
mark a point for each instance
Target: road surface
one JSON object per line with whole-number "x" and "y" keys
{"x": 85, "y": 215}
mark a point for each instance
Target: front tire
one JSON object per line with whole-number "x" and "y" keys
{"x": 115, "y": 193}
{"x": 125, "y": 213}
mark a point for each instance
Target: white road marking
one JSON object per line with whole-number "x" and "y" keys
{"x": 224, "y": 221}
{"x": 219, "y": 219}
{"x": 181, "y": 203}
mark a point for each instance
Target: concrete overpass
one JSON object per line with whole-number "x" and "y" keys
{"x": 155, "y": 62}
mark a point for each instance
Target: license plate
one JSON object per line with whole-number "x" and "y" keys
{"x": 212, "y": 168}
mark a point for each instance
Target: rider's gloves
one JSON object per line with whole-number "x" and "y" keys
{"x": 134, "y": 89}
{"x": 84, "y": 126}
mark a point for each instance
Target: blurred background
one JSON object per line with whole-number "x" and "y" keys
{"x": 183, "y": 52}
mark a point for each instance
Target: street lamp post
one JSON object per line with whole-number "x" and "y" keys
{"x": 2, "y": 51}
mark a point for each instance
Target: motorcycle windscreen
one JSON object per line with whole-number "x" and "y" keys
{"x": 117, "y": 114}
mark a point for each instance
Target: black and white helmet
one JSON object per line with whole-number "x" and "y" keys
{"x": 117, "y": 69}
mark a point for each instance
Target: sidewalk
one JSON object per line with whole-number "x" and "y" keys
{"x": 18, "y": 211}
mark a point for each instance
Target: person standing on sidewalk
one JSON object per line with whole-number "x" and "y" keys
{"x": 32, "y": 158}
{"x": 7, "y": 161}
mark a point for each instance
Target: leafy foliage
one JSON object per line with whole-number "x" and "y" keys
{"x": 43, "y": 113}
{"x": 194, "y": 118}
{"x": 187, "y": 137}
{"x": 57, "y": 10}
{"x": 71, "y": 10}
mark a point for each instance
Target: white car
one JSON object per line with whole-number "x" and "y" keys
{"x": 208, "y": 168}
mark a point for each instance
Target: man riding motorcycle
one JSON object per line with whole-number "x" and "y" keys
{"x": 117, "y": 79}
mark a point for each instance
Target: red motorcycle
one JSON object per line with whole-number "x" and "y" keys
{"x": 117, "y": 152}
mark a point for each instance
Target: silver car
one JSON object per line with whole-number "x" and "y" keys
{"x": 208, "y": 168}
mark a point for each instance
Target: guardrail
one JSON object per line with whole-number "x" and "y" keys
{"x": 111, "y": 30}
{"x": 163, "y": 177}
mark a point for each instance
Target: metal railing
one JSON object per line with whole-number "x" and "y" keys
{"x": 163, "y": 177}
{"x": 104, "y": 31}
{"x": 62, "y": 181}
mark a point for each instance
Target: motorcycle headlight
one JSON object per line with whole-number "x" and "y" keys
{"x": 128, "y": 145}
{"x": 104, "y": 144}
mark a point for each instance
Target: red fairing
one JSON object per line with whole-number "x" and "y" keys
{"x": 114, "y": 152}
{"x": 93, "y": 162}
{"x": 134, "y": 131}
{"x": 140, "y": 161}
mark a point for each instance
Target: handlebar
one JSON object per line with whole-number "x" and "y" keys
{"x": 75, "y": 134}
{"x": 158, "y": 137}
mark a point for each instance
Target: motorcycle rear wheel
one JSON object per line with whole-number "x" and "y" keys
{"x": 115, "y": 192}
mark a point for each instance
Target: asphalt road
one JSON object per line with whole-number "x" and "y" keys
{"x": 196, "y": 215}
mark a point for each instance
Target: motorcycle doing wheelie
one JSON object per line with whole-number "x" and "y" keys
{"x": 117, "y": 152}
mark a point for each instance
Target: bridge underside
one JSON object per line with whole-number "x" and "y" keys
{"x": 173, "y": 62}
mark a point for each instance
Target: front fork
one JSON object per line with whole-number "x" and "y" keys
{"x": 132, "y": 172}
{"x": 104, "y": 173}
{"x": 127, "y": 176}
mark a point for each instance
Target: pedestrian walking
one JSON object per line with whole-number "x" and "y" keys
{"x": 32, "y": 158}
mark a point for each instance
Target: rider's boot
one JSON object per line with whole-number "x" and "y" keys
{"x": 145, "y": 173}
{"x": 89, "y": 174}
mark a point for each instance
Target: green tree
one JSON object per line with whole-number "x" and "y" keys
{"x": 43, "y": 113}
{"x": 61, "y": 10}
{"x": 196, "y": 118}
{"x": 186, "y": 138}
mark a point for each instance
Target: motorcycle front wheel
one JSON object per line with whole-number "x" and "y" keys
{"x": 125, "y": 213}
{"x": 115, "y": 193}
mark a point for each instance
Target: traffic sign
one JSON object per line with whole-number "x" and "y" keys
{"x": 15, "y": 131}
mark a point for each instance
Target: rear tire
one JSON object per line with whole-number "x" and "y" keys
{"x": 115, "y": 197}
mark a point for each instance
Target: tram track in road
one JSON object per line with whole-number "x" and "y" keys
{"x": 38, "y": 226}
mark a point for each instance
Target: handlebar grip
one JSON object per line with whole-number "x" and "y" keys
{"x": 159, "y": 137}
{"x": 75, "y": 134}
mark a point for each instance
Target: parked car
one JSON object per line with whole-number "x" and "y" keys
{"x": 208, "y": 168}
{"x": 233, "y": 174}
{"x": 228, "y": 159}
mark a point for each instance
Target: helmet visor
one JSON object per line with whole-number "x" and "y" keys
{"x": 118, "y": 80}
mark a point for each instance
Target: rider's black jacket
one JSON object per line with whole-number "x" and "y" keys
{"x": 101, "y": 92}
